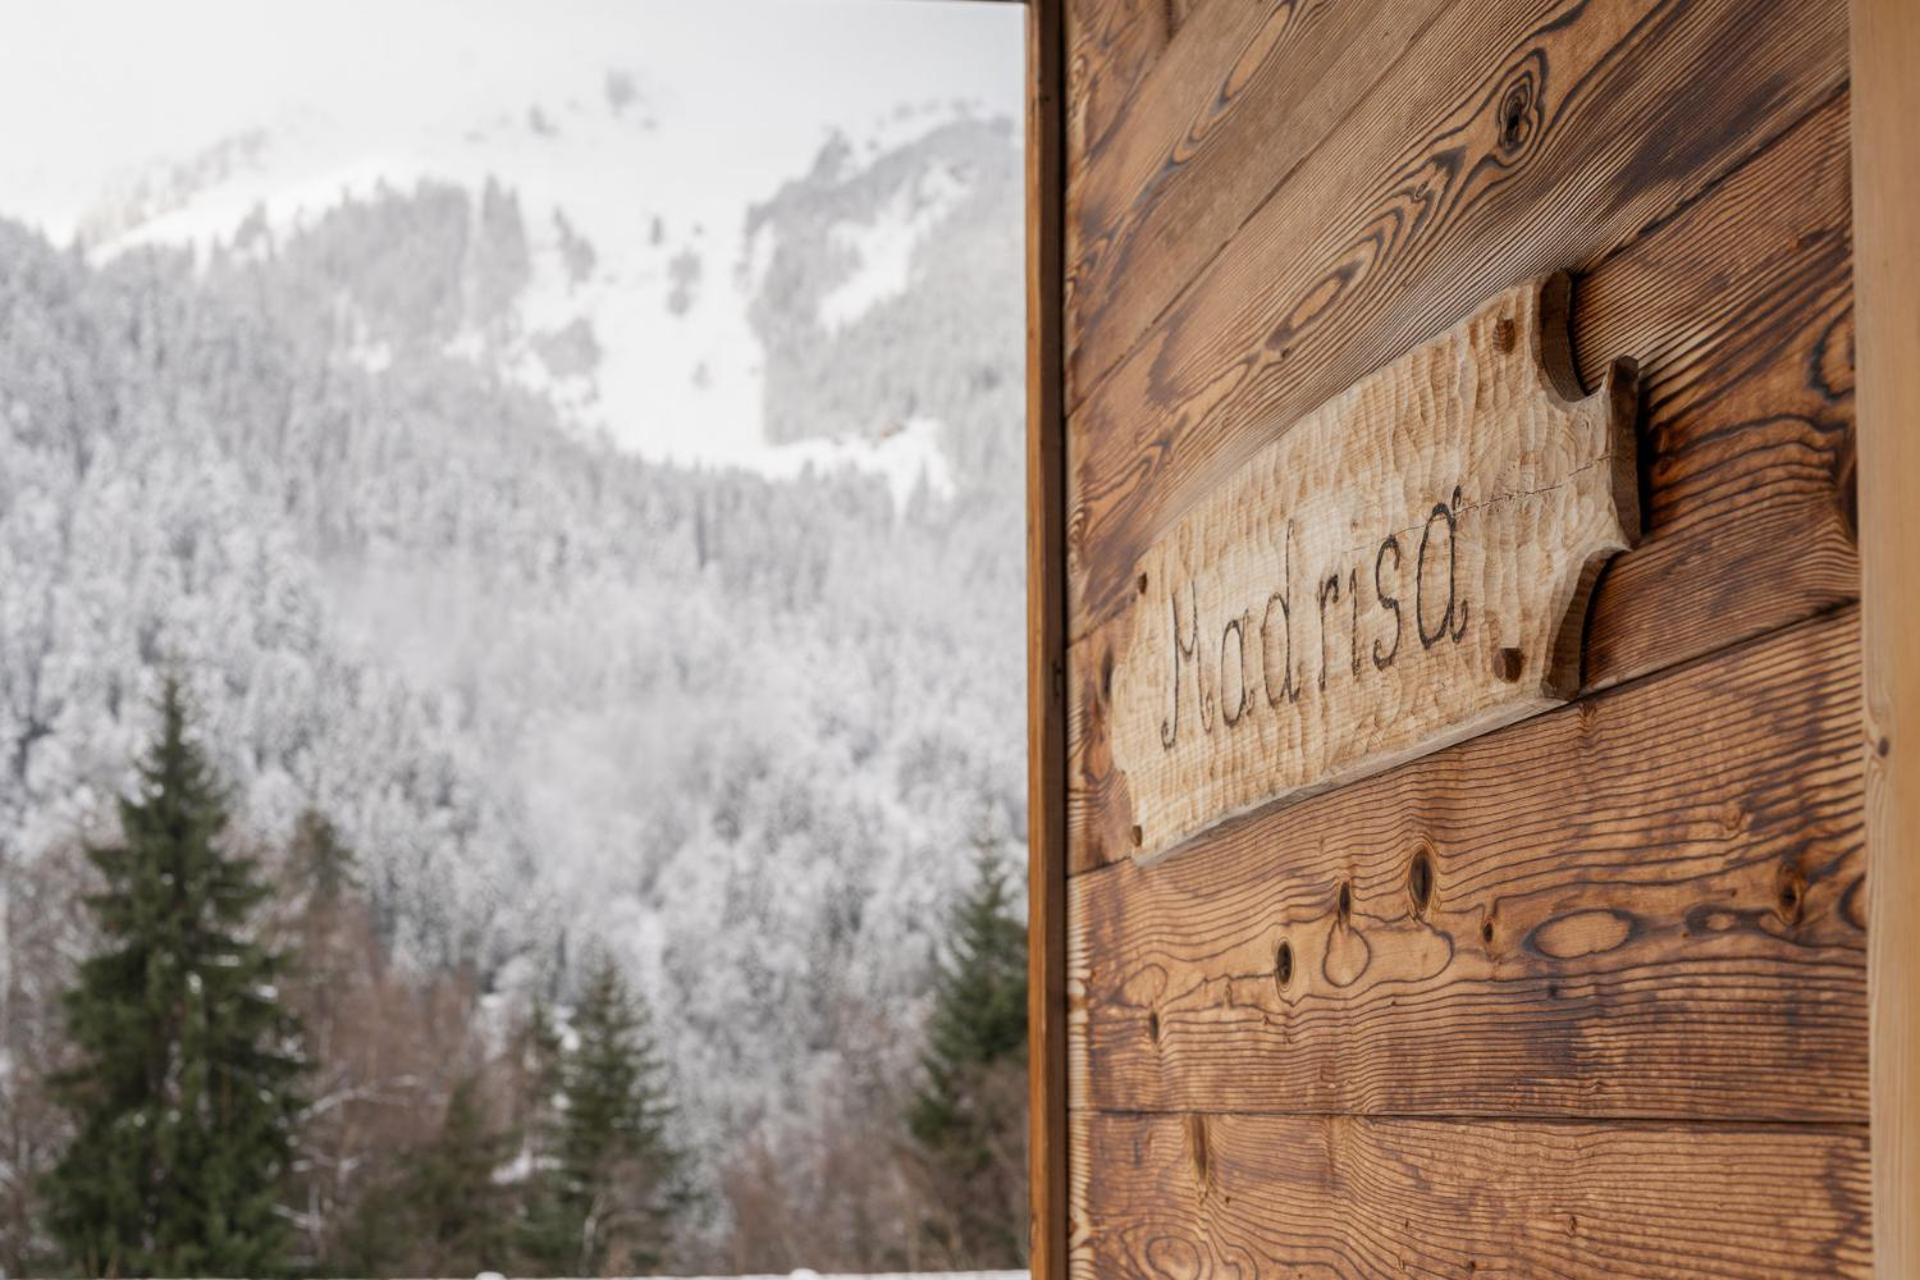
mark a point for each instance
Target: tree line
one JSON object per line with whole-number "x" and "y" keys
{"x": 231, "y": 1074}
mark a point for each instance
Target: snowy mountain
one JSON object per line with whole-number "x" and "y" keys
{"x": 617, "y": 563}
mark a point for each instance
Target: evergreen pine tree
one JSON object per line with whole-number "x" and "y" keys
{"x": 184, "y": 1100}
{"x": 607, "y": 1200}
{"x": 323, "y": 866}
{"x": 968, "y": 1116}
{"x": 450, "y": 1200}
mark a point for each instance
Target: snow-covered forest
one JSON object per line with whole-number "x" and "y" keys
{"x": 354, "y": 468}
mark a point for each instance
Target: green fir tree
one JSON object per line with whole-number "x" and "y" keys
{"x": 606, "y": 1202}
{"x": 451, "y": 1201}
{"x": 184, "y": 1100}
{"x": 968, "y": 1116}
{"x": 323, "y": 867}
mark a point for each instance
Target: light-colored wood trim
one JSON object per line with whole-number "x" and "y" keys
{"x": 1886, "y": 194}
{"x": 1046, "y": 644}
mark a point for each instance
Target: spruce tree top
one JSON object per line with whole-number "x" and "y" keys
{"x": 183, "y": 1100}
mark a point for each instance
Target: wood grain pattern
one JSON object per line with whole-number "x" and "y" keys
{"x": 1499, "y": 149}
{"x": 1265, "y": 1196}
{"x": 1740, "y": 309}
{"x": 1886, "y": 184}
{"x": 1407, "y": 567}
{"x": 1111, "y": 46}
{"x": 1047, "y": 1150}
{"x": 1248, "y": 92}
{"x": 1649, "y": 904}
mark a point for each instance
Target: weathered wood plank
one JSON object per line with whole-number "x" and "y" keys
{"x": 1649, "y": 904}
{"x": 1740, "y": 310}
{"x": 1246, "y": 93}
{"x": 1409, "y": 566}
{"x": 1499, "y": 149}
{"x": 1111, "y": 46}
{"x": 1256, "y": 1196}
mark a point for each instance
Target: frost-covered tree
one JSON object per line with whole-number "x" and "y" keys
{"x": 415, "y": 597}
{"x": 185, "y": 1095}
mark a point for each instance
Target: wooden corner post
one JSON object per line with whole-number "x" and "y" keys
{"x": 1046, "y": 643}
{"x": 1886, "y": 196}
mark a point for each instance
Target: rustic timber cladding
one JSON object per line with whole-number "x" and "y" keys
{"x": 1581, "y": 994}
{"x": 1407, "y": 566}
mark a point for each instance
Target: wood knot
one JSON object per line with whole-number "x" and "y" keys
{"x": 1343, "y": 902}
{"x": 1420, "y": 882}
{"x": 1486, "y": 931}
{"x": 1503, "y": 337}
{"x": 1791, "y": 897}
{"x": 1283, "y": 965}
{"x": 1138, "y": 835}
{"x": 1153, "y": 1025}
{"x": 1106, "y": 676}
{"x": 1142, "y": 584}
{"x": 1508, "y": 663}
{"x": 1516, "y": 107}
{"x": 1884, "y": 747}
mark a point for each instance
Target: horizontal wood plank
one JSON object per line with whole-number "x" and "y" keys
{"x": 1246, "y": 93}
{"x": 1111, "y": 46}
{"x": 1505, "y": 144}
{"x": 1740, "y": 311}
{"x": 1257, "y": 1196}
{"x": 1648, "y": 904}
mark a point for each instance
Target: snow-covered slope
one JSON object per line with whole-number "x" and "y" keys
{"x": 635, "y": 187}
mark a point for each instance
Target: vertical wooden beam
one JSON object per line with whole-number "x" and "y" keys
{"x": 1886, "y": 203}
{"x": 1046, "y": 642}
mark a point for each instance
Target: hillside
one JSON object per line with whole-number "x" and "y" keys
{"x": 359, "y": 472}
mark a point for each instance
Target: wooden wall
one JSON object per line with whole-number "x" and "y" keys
{"x": 1627, "y": 1034}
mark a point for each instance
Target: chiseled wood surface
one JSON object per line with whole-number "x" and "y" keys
{"x": 1648, "y": 904}
{"x": 1407, "y": 567}
{"x": 1236, "y": 1197}
{"x": 1511, "y": 139}
{"x": 1886, "y": 50}
{"x": 1739, "y": 309}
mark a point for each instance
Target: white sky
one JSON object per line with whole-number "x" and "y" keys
{"x": 95, "y": 89}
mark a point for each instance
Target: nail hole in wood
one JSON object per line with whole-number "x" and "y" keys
{"x": 1142, "y": 584}
{"x": 1420, "y": 882}
{"x": 1508, "y": 664}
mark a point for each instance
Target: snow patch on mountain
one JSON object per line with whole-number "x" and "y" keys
{"x": 883, "y": 245}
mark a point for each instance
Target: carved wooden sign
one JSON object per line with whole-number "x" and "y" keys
{"x": 1407, "y": 566}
